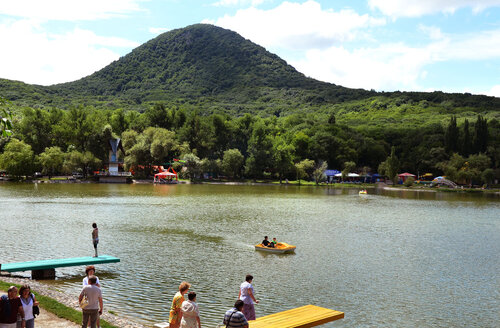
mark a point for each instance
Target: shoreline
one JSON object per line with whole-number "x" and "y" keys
{"x": 379, "y": 185}
{"x": 70, "y": 301}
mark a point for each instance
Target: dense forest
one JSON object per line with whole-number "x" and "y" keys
{"x": 229, "y": 107}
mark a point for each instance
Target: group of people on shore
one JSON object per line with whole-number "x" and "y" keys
{"x": 186, "y": 314}
{"x": 18, "y": 311}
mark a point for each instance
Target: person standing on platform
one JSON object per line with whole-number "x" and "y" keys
{"x": 95, "y": 237}
{"x": 175, "y": 315}
{"x": 247, "y": 296}
{"x": 94, "y": 308}
{"x": 10, "y": 308}
{"x": 234, "y": 318}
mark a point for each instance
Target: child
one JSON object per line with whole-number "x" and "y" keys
{"x": 95, "y": 237}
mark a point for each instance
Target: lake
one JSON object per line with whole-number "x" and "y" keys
{"x": 386, "y": 259}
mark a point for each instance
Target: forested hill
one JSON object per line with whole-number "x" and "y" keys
{"x": 210, "y": 68}
{"x": 200, "y": 64}
{"x": 199, "y": 60}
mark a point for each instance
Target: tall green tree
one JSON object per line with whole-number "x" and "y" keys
{"x": 319, "y": 173}
{"x": 467, "y": 140}
{"x": 348, "y": 168}
{"x": 85, "y": 162}
{"x": 17, "y": 159}
{"x": 52, "y": 160}
{"x": 481, "y": 135}
{"x": 304, "y": 169}
{"x": 35, "y": 129}
{"x": 232, "y": 163}
{"x": 452, "y": 134}
{"x": 390, "y": 167}
{"x": 282, "y": 157}
{"x": 260, "y": 148}
{"x": 193, "y": 166}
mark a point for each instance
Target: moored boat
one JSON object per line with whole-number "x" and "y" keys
{"x": 280, "y": 248}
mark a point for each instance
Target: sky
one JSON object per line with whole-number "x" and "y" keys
{"x": 384, "y": 45}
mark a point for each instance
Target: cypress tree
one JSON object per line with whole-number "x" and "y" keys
{"x": 451, "y": 136}
{"x": 466, "y": 142}
{"x": 481, "y": 135}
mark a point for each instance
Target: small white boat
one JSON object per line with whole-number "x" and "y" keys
{"x": 279, "y": 249}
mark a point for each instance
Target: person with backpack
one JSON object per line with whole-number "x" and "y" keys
{"x": 93, "y": 307}
{"x": 10, "y": 308}
{"x": 30, "y": 306}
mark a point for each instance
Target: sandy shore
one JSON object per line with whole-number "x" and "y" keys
{"x": 49, "y": 320}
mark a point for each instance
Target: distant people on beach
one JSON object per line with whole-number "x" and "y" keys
{"x": 190, "y": 312}
{"x": 10, "y": 308}
{"x": 90, "y": 271}
{"x": 91, "y": 312}
{"x": 95, "y": 237}
{"x": 175, "y": 314}
{"x": 247, "y": 296}
{"x": 234, "y": 318}
{"x": 28, "y": 301}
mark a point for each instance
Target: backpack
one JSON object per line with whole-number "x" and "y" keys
{"x": 36, "y": 309}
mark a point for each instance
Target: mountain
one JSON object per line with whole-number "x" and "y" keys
{"x": 208, "y": 67}
{"x": 201, "y": 63}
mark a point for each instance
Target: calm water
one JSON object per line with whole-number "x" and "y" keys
{"x": 388, "y": 259}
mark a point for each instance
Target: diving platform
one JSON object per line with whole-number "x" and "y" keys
{"x": 45, "y": 269}
{"x": 302, "y": 317}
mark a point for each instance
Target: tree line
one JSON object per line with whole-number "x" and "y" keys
{"x": 296, "y": 146}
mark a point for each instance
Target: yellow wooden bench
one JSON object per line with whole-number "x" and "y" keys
{"x": 301, "y": 317}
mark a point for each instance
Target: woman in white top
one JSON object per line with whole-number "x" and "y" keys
{"x": 90, "y": 271}
{"x": 190, "y": 312}
{"x": 28, "y": 301}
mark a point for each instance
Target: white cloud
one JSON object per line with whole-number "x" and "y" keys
{"x": 228, "y": 3}
{"x": 396, "y": 66}
{"x": 297, "y": 26}
{"x": 495, "y": 91}
{"x": 158, "y": 30}
{"x": 68, "y": 10}
{"x": 43, "y": 58}
{"x": 413, "y": 8}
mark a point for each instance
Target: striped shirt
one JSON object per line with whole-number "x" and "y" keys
{"x": 238, "y": 319}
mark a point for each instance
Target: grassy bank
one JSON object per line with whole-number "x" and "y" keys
{"x": 53, "y": 306}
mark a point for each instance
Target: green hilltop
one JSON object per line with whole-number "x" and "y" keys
{"x": 217, "y": 70}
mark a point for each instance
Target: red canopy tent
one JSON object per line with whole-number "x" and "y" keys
{"x": 166, "y": 176}
{"x": 404, "y": 176}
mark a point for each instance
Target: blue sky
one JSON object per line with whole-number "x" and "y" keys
{"x": 386, "y": 45}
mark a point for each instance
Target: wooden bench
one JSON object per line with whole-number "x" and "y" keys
{"x": 45, "y": 269}
{"x": 301, "y": 317}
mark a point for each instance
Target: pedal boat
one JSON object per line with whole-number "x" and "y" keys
{"x": 363, "y": 192}
{"x": 280, "y": 248}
